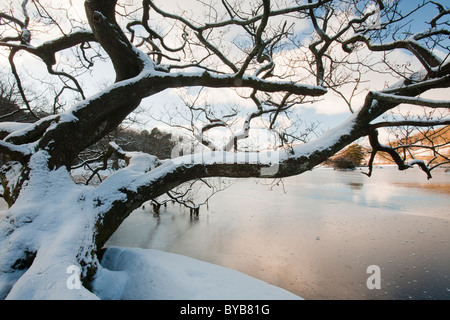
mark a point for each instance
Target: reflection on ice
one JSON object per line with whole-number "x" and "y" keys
{"x": 317, "y": 235}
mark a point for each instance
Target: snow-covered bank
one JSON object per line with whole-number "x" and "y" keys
{"x": 134, "y": 273}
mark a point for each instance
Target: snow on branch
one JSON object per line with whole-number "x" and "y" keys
{"x": 411, "y": 100}
{"x": 175, "y": 80}
{"x": 6, "y": 128}
{"x": 414, "y": 123}
{"x": 16, "y": 152}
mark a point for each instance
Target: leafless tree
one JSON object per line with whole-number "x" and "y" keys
{"x": 258, "y": 48}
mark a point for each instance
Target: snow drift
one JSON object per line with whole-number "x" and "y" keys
{"x": 135, "y": 273}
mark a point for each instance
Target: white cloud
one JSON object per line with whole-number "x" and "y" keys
{"x": 330, "y": 105}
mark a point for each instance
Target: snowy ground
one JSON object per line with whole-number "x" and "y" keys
{"x": 134, "y": 273}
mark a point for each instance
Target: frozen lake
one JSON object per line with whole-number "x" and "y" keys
{"x": 317, "y": 235}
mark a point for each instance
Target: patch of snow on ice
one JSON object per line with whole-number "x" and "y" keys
{"x": 134, "y": 273}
